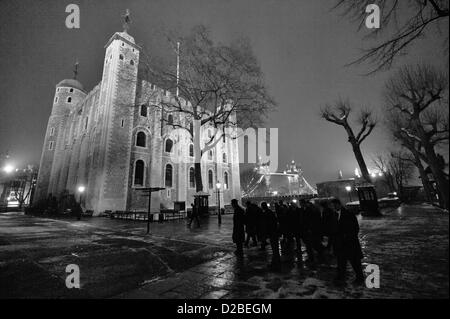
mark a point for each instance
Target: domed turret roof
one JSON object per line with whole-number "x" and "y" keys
{"x": 71, "y": 83}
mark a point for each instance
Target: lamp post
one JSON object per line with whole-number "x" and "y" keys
{"x": 8, "y": 169}
{"x": 219, "y": 215}
{"x": 80, "y": 191}
{"x": 348, "y": 188}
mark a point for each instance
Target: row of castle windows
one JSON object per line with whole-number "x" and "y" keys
{"x": 139, "y": 175}
{"x": 144, "y": 113}
{"x": 70, "y": 90}
{"x": 68, "y": 100}
{"x": 141, "y": 141}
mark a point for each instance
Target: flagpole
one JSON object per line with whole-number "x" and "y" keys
{"x": 178, "y": 67}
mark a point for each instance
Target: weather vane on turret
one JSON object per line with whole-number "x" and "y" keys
{"x": 75, "y": 70}
{"x": 127, "y": 21}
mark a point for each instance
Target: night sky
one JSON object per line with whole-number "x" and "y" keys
{"x": 301, "y": 45}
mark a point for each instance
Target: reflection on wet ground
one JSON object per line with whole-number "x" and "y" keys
{"x": 117, "y": 259}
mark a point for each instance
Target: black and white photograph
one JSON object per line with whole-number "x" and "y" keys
{"x": 224, "y": 155}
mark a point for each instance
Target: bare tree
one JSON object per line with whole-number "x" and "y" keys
{"x": 339, "y": 114}
{"x": 416, "y": 96}
{"x": 402, "y": 23}
{"x": 397, "y": 168}
{"x": 395, "y": 122}
{"x": 218, "y": 86}
{"x": 22, "y": 184}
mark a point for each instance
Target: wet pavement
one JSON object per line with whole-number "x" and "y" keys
{"x": 117, "y": 259}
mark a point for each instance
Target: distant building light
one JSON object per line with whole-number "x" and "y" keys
{"x": 8, "y": 168}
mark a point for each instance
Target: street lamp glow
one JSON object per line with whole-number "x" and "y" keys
{"x": 218, "y": 185}
{"x": 8, "y": 168}
{"x": 348, "y": 188}
{"x": 81, "y": 189}
{"x": 275, "y": 193}
{"x": 294, "y": 201}
{"x": 373, "y": 175}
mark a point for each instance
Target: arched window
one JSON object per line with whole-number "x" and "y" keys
{"x": 170, "y": 119}
{"x": 121, "y": 57}
{"x": 224, "y": 157}
{"x": 191, "y": 150}
{"x": 141, "y": 139}
{"x": 71, "y": 90}
{"x": 144, "y": 110}
{"x": 169, "y": 145}
{"x": 131, "y": 62}
{"x": 225, "y": 180}
{"x": 69, "y": 100}
{"x": 139, "y": 173}
{"x": 210, "y": 179}
{"x": 168, "y": 175}
{"x": 191, "y": 177}
{"x": 191, "y": 128}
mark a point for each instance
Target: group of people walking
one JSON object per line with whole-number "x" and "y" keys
{"x": 323, "y": 230}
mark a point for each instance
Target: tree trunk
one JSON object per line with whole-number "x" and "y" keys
{"x": 424, "y": 178}
{"x": 197, "y": 156}
{"x": 439, "y": 176}
{"x": 198, "y": 177}
{"x": 360, "y": 160}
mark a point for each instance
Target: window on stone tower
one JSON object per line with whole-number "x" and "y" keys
{"x": 191, "y": 150}
{"x": 144, "y": 110}
{"x": 210, "y": 155}
{"x": 69, "y": 100}
{"x": 169, "y": 145}
{"x": 225, "y": 180}
{"x": 50, "y": 146}
{"x": 191, "y": 177}
{"x": 56, "y": 99}
{"x": 170, "y": 119}
{"x": 52, "y": 131}
{"x": 210, "y": 179}
{"x": 131, "y": 62}
{"x": 141, "y": 139}
{"x": 168, "y": 175}
{"x": 121, "y": 57}
{"x": 224, "y": 157}
{"x": 71, "y": 90}
{"x": 191, "y": 128}
{"x": 139, "y": 173}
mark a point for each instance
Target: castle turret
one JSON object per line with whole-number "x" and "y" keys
{"x": 117, "y": 100}
{"x": 68, "y": 93}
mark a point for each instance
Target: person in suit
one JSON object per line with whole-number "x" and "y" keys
{"x": 194, "y": 214}
{"x": 251, "y": 218}
{"x": 346, "y": 242}
{"x": 261, "y": 227}
{"x": 238, "y": 227}
{"x": 296, "y": 224}
{"x": 272, "y": 231}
